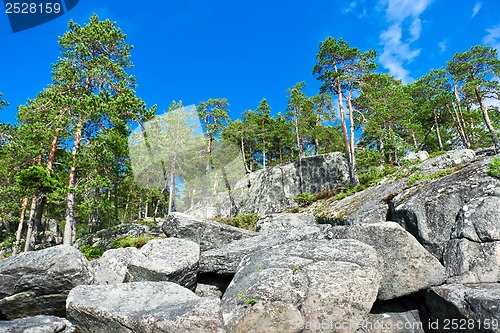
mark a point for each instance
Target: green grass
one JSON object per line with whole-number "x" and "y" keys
{"x": 440, "y": 174}
{"x": 494, "y": 168}
{"x": 305, "y": 199}
{"x": 130, "y": 241}
{"x": 91, "y": 252}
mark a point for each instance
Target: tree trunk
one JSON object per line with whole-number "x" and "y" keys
{"x": 460, "y": 120}
{"x": 487, "y": 119}
{"x": 438, "y": 133}
{"x": 29, "y": 245}
{"x": 20, "y": 227}
{"x": 354, "y": 168}
{"x": 70, "y": 224}
{"x": 171, "y": 189}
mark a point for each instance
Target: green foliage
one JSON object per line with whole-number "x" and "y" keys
{"x": 494, "y": 168}
{"x": 440, "y": 174}
{"x": 91, "y": 252}
{"x": 437, "y": 153}
{"x": 8, "y": 240}
{"x": 250, "y": 301}
{"x": 246, "y": 221}
{"x": 130, "y": 241}
{"x": 305, "y": 199}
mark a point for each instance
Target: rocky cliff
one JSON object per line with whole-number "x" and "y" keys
{"x": 402, "y": 256}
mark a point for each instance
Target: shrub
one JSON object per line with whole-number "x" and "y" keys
{"x": 305, "y": 199}
{"x": 246, "y": 221}
{"x": 91, "y": 252}
{"x": 494, "y": 168}
{"x": 130, "y": 241}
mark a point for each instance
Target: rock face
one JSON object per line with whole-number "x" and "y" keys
{"x": 37, "y": 324}
{"x": 449, "y": 159}
{"x": 405, "y": 266}
{"x": 284, "y": 221}
{"x": 272, "y": 190}
{"x": 142, "y": 307}
{"x": 38, "y": 282}
{"x": 368, "y": 206}
{"x": 429, "y": 210}
{"x": 307, "y": 286}
{"x": 225, "y": 259}
{"x": 207, "y": 234}
{"x": 172, "y": 259}
{"x": 111, "y": 267}
{"x": 473, "y": 307}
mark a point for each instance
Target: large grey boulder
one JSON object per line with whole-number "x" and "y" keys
{"x": 393, "y": 322}
{"x": 142, "y": 307}
{"x": 272, "y": 190}
{"x": 38, "y": 282}
{"x": 37, "y": 324}
{"x": 449, "y": 159}
{"x": 172, "y": 259}
{"x": 111, "y": 267}
{"x": 479, "y": 220}
{"x": 305, "y": 286}
{"x": 429, "y": 209}
{"x": 207, "y": 234}
{"x": 471, "y": 307}
{"x": 405, "y": 266}
{"x": 472, "y": 262}
{"x": 284, "y": 221}
{"x": 367, "y": 206}
{"x": 225, "y": 259}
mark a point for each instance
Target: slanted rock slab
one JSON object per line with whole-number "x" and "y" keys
{"x": 284, "y": 221}
{"x": 172, "y": 259}
{"x": 207, "y": 234}
{"x": 225, "y": 259}
{"x": 314, "y": 285}
{"x": 405, "y": 266}
{"x": 37, "y": 324}
{"x": 142, "y": 307}
{"x": 38, "y": 282}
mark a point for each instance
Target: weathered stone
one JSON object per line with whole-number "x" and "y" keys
{"x": 465, "y": 307}
{"x": 367, "y": 206}
{"x": 272, "y": 190}
{"x": 471, "y": 262}
{"x": 322, "y": 284}
{"x": 225, "y": 259}
{"x": 418, "y": 156}
{"x": 449, "y": 159}
{"x": 172, "y": 259}
{"x": 479, "y": 220}
{"x": 37, "y": 324}
{"x": 38, "y": 282}
{"x": 393, "y": 322}
{"x": 207, "y": 290}
{"x": 284, "y": 221}
{"x": 142, "y": 307}
{"x": 208, "y": 234}
{"x": 429, "y": 210}
{"x": 405, "y": 266}
{"x": 111, "y": 267}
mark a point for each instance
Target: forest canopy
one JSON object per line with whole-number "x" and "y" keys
{"x": 68, "y": 156}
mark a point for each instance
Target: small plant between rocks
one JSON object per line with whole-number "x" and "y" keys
{"x": 494, "y": 168}
{"x": 305, "y": 199}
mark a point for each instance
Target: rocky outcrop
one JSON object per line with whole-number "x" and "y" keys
{"x": 225, "y": 259}
{"x": 37, "y": 324}
{"x": 172, "y": 259}
{"x": 111, "y": 267}
{"x": 307, "y": 286}
{"x": 404, "y": 265}
{"x": 368, "y": 206}
{"x": 142, "y": 307}
{"x": 429, "y": 209}
{"x": 38, "y": 282}
{"x": 462, "y": 307}
{"x": 207, "y": 234}
{"x": 272, "y": 190}
{"x": 284, "y": 221}
{"x": 449, "y": 159}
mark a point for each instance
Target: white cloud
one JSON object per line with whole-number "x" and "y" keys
{"x": 350, "y": 8}
{"x": 493, "y": 37}
{"x": 398, "y": 51}
{"x": 443, "y": 46}
{"x": 477, "y": 8}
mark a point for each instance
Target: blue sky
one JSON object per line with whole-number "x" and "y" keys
{"x": 245, "y": 51}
